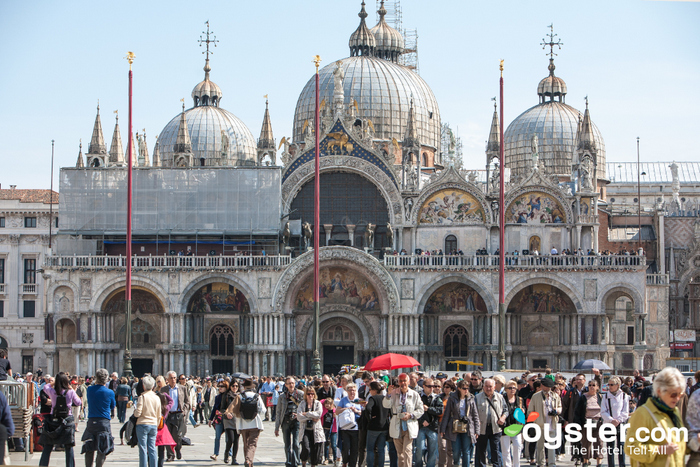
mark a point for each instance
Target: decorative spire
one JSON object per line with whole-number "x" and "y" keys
{"x": 97, "y": 143}
{"x": 116, "y": 152}
{"x": 267, "y": 140}
{"x": 411, "y": 138}
{"x": 183, "y": 145}
{"x": 146, "y": 158}
{"x": 586, "y": 138}
{"x": 390, "y": 43}
{"x": 156, "y": 154}
{"x": 362, "y": 41}
{"x": 493, "y": 146}
{"x": 81, "y": 163}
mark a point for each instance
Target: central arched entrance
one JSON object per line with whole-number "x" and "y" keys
{"x": 221, "y": 342}
{"x": 338, "y": 348}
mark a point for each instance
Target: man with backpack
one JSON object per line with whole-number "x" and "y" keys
{"x": 249, "y": 420}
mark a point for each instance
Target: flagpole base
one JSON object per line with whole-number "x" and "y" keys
{"x": 316, "y": 364}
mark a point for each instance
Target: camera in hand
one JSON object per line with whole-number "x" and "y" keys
{"x": 553, "y": 413}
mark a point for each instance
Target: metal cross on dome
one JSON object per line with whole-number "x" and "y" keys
{"x": 551, "y": 42}
{"x": 208, "y": 40}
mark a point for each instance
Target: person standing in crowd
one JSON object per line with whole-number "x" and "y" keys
{"x": 446, "y": 388}
{"x": 693, "y": 424}
{"x": 377, "y": 417}
{"x": 406, "y": 408}
{"x": 569, "y": 402}
{"x": 588, "y": 408}
{"x": 82, "y": 393}
{"x": 164, "y": 439}
{"x": 493, "y": 411}
{"x": 330, "y": 431}
{"x": 461, "y": 408}
{"x": 266, "y": 391}
{"x": 97, "y": 437}
{"x": 148, "y": 413}
{"x": 548, "y": 405}
{"x": 249, "y": 427}
{"x": 659, "y": 411}
{"x": 476, "y": 382}
{"x": 348, "y": 425}
{"x": 615, "y": 410}
{"x": 176, "y": 417}
{"x": 113, "y": 385}
{"x": 287, "y": 406}
{"x": 209, "y": 398}
{"x": 309, "y": 415}
{"x": 427, "y": 439}
{"x": 59, "y": 426}
{"x": 326, "y": 390}
{"x": 511, "y": 447}
{"x": 228, "y": 404}
{"x": 5, "y": 366}
{"x": 123, "y": 397}
{"x": 7, "y": 426}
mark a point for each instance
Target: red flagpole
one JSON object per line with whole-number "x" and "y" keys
{"x": 316, "y": 359}
{"x": 502, "y": 246}
{"x": 130, "y": 150}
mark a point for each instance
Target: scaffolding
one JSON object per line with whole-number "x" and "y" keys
{"x": 393, "y": 17}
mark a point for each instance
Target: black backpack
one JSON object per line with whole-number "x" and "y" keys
{"x": 249, "y": 406}
{"x": 61, "y": 410}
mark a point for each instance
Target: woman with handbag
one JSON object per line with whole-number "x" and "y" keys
{"x": 588, "y": 407}
{"x": 59, "y": 426}
{"x": 460, "y": 423}
{"x": 123, "y": 398}
{"x": 348, "y": 413}
{"x": 512, "y": 447}
{"x": 231, "y": 400}
{"x": 163, "y": 437}
{"x": 216, "y": 418}
{"x": 309, "y": 415}
{"x": 148, "y": 413}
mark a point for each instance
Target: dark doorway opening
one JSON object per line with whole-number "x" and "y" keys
{"x": 335, "y": 356}
{"x": 222, "y": 366}
{"x": 141, "y": 366}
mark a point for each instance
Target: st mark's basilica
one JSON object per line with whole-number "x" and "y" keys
{"x": 223, "y": 275}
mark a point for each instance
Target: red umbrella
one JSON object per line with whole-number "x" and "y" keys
{"x": 391, "y": 361}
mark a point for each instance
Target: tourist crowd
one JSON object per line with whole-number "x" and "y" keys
{"x": 361, "y": 419}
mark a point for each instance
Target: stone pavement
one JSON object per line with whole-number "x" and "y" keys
{"x": 270, "y": 451}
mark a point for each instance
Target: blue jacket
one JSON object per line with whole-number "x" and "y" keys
{"x": 6, "y": 416}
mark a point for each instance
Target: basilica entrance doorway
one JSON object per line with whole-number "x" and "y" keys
{"x": 220, "y": 366}
{"x": 338, "y": 348}
{"x": 141, "y": 366}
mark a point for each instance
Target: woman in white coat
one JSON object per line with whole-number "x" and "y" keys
{"x": 406, "y": 408}
{"x": 309, "y": 415}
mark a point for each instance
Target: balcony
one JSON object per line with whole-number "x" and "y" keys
{"x": 517, "y": 262}
{"x": 27, "y": 289}
{"x": 166, "y": 263}
{"x": 657, "y": 279}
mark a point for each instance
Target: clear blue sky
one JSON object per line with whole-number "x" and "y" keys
{"x": 638, "y": 61}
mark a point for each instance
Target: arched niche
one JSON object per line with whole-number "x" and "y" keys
{"x": 65, "y": 331}
{"x": 142, "y": 301}
{"x": 338, "y": 286}
{"x": 541, "y": 298}
{"x": 454, "y": 297}
{"x": 218, "y": 297}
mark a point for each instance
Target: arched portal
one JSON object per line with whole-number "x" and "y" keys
{"x": 65, "y": 331}
{"x": 221, "y": 343}
{"x": 455, "y": 345}
{"x": 338, "y": 347}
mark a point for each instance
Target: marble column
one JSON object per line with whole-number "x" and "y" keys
{"x": 327, "y": 229}
{"x": 351, "y": 233}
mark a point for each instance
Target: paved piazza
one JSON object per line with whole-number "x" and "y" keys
{"x": 270, "y": 450}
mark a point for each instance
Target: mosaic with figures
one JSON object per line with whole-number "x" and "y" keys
{"x": 535, "y": 208}
{"x": 541, "y": 298}
{"x": 218, "y": 298}
{"x": 451, "y": 207}
{"x": 454, "y": 298}
{"x": 338, "y": 286}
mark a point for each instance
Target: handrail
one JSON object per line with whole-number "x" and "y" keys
{"x": 166, "y": 262}
{"x": 514, "y": 262}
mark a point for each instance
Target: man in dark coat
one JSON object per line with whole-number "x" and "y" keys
{"x": 178, "y": 412}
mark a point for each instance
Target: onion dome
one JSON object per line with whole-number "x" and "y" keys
{"x": 390, "y": 42}
{"x": 552, "y": 86}
{"x": 383, "y": 91}
{"x": 207, "y": 92}
{"x": 362, "y": 40}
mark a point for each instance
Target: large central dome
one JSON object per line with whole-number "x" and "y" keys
{"x": 382, "y": 88}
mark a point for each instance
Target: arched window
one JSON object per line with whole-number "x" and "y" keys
{"x": 450, "y": 244}
{"x": 456, "y": 342}
{"x": 221, "y": 341}
{"x": 425, "y": 160}
{"x": 202, "y": 161}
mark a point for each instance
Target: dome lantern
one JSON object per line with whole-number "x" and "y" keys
{"x": 551, "y": 86}
{"x": 362, "y": 41}
{"x": 207, "y": 92}
{"x": 390, "y": 42}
